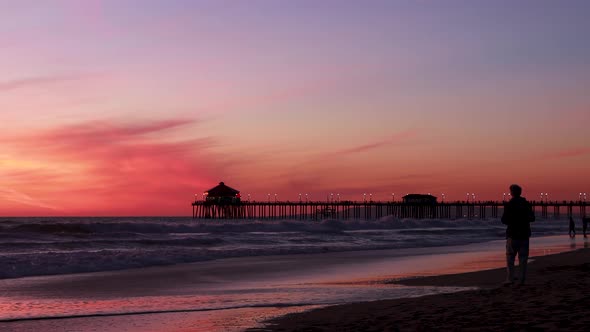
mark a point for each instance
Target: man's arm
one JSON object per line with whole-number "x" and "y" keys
{"x": 506, "y": 214}
{"x": 531, "y": 212}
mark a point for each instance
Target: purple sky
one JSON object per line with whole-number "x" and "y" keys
{"x": 132, "y": 107}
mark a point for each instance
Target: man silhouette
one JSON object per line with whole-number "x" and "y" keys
{"x": 585, "y": 225}
{"x": 572, "y": 228}
{"x": 518, "y": 214}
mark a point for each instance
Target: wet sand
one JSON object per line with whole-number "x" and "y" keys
{"x": 556, "y": 297}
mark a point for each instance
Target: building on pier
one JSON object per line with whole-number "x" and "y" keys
{"x": 419, "y": 199}
{"x": 222, "y": 195}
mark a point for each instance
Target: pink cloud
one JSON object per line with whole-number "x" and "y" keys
{"x": 324, "y": 158}
{"x": 100, "y": 132}
{"x": 12, "y": 195}
{"x": 322, "y": 173}
{"x": 106, "y": 168}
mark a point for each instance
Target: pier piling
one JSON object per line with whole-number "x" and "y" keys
{"x": 373, "y": 210}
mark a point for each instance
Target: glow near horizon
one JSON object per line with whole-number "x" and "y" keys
{"x": 132, "y": 107}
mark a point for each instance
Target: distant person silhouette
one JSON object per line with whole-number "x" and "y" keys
{"x": 572, "y": 228}
{"x": 518, "y": 214}
{"x": 585, "y": 225}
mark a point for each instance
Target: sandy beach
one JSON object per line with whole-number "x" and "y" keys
{"x": 555, "y": 298}
{"x": 237, "y": 294}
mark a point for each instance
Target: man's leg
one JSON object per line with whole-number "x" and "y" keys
{"x": 510, "y": 256}
{"x": 523, "y": 257}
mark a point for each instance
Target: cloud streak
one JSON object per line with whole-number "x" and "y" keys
{"x": 567, "y": 153}
{"x": 37, "y": 81}
{"x": 104, "y": 132}
{"x": 394, "y": 139}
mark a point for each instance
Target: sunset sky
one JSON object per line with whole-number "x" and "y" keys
{"x": 133, "y": 107}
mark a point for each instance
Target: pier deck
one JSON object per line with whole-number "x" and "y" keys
{"x": 375, "y": 210}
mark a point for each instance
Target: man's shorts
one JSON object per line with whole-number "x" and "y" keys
{"x": 517, "y": 246}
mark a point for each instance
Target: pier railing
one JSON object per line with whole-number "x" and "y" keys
{"x": 375, "y": 210}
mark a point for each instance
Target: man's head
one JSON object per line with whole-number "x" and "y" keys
{"x": 515, "y": 190}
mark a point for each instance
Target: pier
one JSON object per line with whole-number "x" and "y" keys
{"x": 349, "y": 210}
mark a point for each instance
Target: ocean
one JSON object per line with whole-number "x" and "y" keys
{"x": 49, "y": 246}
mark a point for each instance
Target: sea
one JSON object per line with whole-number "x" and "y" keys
{"x": 52, "y": 246}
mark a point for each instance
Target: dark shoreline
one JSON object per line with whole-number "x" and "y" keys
{"x": 555, "y": 298}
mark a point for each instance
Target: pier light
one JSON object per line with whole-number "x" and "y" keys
{"x": 547, "y": 197}
{"x": 275, "y": 198}
{"x": 393, "y": 197}
{"x": 473, "y": 197}
{"x": 248, "y": 197}
{"x": 468, "y": 197}
{"x": 580, "y": 197}
{"x": 299, "y": 198}
{"x": 443, "y": 197}
{"x": 584, "y": 197}
{"x": 365, "y": 197}
{"x": 503, "y": 196}
{"x": 370, "y": 197}
{"x": 269, "y": 198}
{"x": 338, "y": 198}
{"x": 305, "y": 198}
{"x": 331, "y": 197}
